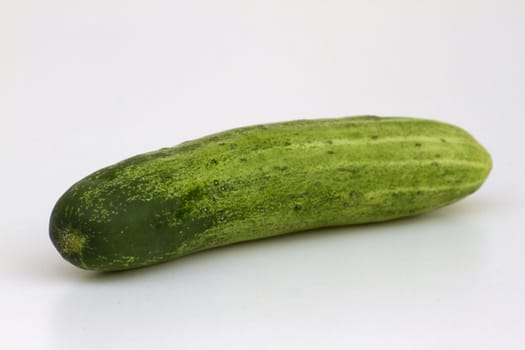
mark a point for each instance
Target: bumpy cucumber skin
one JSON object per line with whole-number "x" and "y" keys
{"x": 262, "y": 181}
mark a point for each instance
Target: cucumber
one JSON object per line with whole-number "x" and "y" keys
{"x": 262, "y": 181}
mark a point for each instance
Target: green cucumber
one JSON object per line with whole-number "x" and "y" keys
{"x": 262, "y": 181}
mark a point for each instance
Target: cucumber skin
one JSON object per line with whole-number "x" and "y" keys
{"x": 261, "y": 181}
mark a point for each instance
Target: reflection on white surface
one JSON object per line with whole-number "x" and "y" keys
{"x": 331, "y": 287}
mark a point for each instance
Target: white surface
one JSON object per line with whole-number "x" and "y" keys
{"x": 86, "y": 83}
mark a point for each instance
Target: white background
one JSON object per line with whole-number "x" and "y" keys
{"x": 84, "y": 84}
